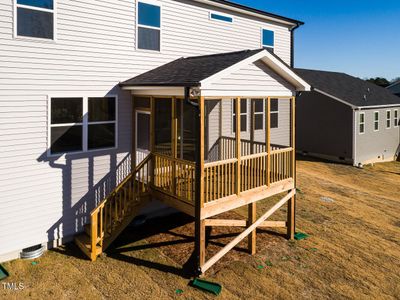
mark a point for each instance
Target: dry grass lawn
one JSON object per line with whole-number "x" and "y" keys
{"x": 353, "y": 251}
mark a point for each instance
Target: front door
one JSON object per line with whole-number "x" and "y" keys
{"x": 142, "y": 135}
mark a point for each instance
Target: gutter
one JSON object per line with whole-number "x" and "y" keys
{"x": 292, "y": 44}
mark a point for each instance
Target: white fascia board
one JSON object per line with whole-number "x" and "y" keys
{"x": 244, "y": 93}
{"x": 246, "y": 12}
{"x": 393, "y": 84}
{"x": 271, "y": 61}
{"x": 378, "y": 106}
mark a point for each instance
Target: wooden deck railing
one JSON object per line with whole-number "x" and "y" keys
{"x": 174, "y": 176}
{"x": 221, "y": 176}
{"x": 112, "y": 210}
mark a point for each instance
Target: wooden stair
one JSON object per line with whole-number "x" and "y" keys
{"x": 115, "y": 212}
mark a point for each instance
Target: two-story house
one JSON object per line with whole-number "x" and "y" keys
{"x": 85, "y": 84}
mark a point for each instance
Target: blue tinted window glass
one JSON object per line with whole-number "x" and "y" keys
{"x": 37, "y": 3}
{"x": 221, "y": 18}
{"x": 149, "y": 14}
{"x": 35, "y": 23}
{"x": 268, "y": 38}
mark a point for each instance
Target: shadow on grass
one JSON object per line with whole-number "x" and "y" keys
{"x": 121, "y": 248}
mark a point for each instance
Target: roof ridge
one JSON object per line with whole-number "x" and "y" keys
{"x": 223, "y": 54}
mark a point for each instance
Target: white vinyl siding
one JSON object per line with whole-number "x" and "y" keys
{"x": 95, "y": 49}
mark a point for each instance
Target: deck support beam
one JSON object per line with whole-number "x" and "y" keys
{"x": 291, "y": 227}
{"x": 245, "y": 233}
{"x": 200, "y": 235}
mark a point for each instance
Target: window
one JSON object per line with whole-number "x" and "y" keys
{"x": 362, "y": 123}
{"x": 221, "y": 17}
{"x": 35, "y": 18}
{"x": 258, "y": 114}
{"x": 396, "y": 118}
{"x": 268, "y": 39}
{"x": 243, "y": 115}
{"x": 274, "y": 113}
{"x": 70, "y": 122}
{"x": 148, "y": 26}
{"x": 376, "y": 121}
{"x": 101, "y": 123}
{"x": 388, "y": 119}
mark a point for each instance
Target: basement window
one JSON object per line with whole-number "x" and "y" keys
{"x": 148, "y": 26}
{"x": 274, "y": 113}
{"x": 243, "y": 115}
{"x": 376, "y": 121}
{"x": 268, "y": 39}
{"x": 35, "y": 19}
{"x": 388, "y": 119}
{"x": 82, "y": 124}
{"x": 396, "y": 118}
{"x": 362, "y": 123}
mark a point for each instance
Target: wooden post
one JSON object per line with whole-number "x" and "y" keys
{"x": 152, "y": 138}
{"x": 252, "y": 208}
{"x": 291, "y": 203}
{"x": 200, "y": 233}
{"x": 238, "y": 153}
{"x": 268, "y": 138}
{"x": 174, "y": 141}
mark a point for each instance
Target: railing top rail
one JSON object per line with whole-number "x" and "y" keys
{"x": 178, "y": 160}
{"x": 220, "y": 162}
{"x": 282, "y": 150}
{"x": 256, "y": 155}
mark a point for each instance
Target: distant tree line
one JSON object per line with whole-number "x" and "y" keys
{"x": 383, "y": 82}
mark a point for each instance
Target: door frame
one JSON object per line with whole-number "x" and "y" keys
{"x": 146, "y": 112}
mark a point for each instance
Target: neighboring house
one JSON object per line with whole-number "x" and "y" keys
{"x": 395, "y": 88}
{"x": 347, "y": 119}
{"x": 68, "y": 127}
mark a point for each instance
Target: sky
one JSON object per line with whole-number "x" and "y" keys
{"x": 358, "y": 37}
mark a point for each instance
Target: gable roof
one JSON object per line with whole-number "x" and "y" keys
{"x": 394, "y": 84}
{"x": 251, "y": 10}
{"x": 189, "y": 71}
{"x": 351, "y": 90}
{"x": 201, "y": 71}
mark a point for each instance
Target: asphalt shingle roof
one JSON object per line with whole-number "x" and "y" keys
{"x": 353, "y": 90}
{"x": 189, "y": 71}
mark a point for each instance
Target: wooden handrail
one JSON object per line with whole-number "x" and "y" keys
{"x": 282, "y": 150}
{"x": 220, "y": 162}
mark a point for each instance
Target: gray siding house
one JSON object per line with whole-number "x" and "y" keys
{"x": 70, "y": 132}
{"x": 347, "y": 119}
{"x": 395, "y": 88}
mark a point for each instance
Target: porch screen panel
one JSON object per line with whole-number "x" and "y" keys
{"x": 187, "y": 117}
{"x": 163, "y": 126}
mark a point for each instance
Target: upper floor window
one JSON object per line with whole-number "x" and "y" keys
{"x": 268, "y": 40}
{"x": 396, "y": 118}
{"x": 362, "y": 123}
{"x": 81, "y": 124}
{"x": 388, "y": 119}
{"x": 148, "y": 26}
{"x": 243, "y": 115}
{"x": 376, "y": 121}
{"x": 35, "y": 18}
{"x": 274, "y": 113}
{"x": 221, "y": 17}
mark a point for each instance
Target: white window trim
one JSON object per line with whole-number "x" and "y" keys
{"x": 260, "y": 113}
{"x": 376, "y": 121}
{"x": 396, "y": 118}
{"x": 361, "y": 123}
{"x": 221, "y": 14}
{"x": 85, "y": 123}
{"x": 152, "y": 2}
{"x": 241, "y": 114}
{"x": 31, "y": 38}
{"x": 262, "y": 35}
{"x": 388, "y": 119}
